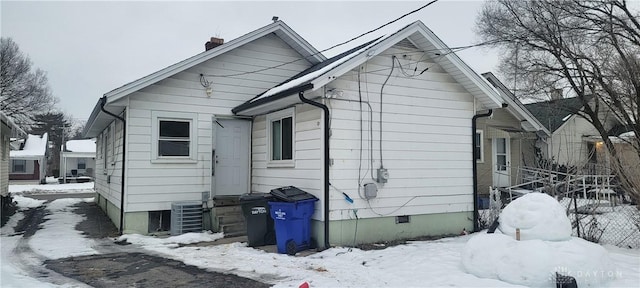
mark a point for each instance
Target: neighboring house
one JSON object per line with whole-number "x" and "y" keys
{"x": 510, "y": 138}
{"x": 30, "y": 161}
{"x": 405, "y": 101}
{"x": 7, "y": 129}
{"x": 574, "y": 141}
{"x": 78, "y": 161}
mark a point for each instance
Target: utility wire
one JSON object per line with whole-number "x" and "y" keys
{"x": 327, "y": 49}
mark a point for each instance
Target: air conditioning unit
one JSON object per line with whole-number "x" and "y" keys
{"x": 186, "y": 217}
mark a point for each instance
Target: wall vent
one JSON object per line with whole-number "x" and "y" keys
{"x": 406, "y": 44}
{"x": 402, "y": 219}
{"x": 186, "y": 217}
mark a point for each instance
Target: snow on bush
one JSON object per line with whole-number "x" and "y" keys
{"x": 546, "y": 247}
{"x": 538, "y": 216}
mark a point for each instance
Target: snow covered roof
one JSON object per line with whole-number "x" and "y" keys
{"x": 82, "y": 146}
{"x": 35, "y": 146}
{"x": 303, "y": 79}
{"x": 98, "y": 120}
{"x": 417, "y": 33}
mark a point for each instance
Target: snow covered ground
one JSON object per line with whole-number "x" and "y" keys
{"x": 52, "y": 187}
{"x": 416, "y": 264}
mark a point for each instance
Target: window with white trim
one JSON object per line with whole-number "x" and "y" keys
{"x": 281, "y": 138}
{"x": 479, "y": 148}
{"x": 19, "y": 166}
{"x": 105, "y": 140}
{"x": 82, "y": 164}
{"x": 173, "y": 137}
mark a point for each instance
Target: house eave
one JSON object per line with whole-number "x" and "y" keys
{"x": 260, "y": 106}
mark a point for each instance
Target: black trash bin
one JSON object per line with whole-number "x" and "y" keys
{"x": 255, "y": 208}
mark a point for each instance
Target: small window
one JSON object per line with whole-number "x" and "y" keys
{"x": 105, "y": 141}
{"x": 82, "y": 163}
{"x": 281, "y": 137}
{"x": 174, "y": 137}
{"x": 478, "y": 149}
{"x": 19, "y": 166}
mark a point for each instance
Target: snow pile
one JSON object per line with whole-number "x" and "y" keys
{"x": 52, "y": 188}
{"x": 546, "y": 247}
{"x": 187, "y": 238}
{"x": 26, "y": 202}
{"x": 538, "y": 216}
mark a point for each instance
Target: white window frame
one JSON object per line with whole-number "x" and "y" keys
{"x": 289, "y": 112}
{"x": 479, "y": 131}
{"x": 105, "y": 147}
{"x": 13, "y": 166}
{"x": 156, "y": 117}
{"x": 78, "y": 162}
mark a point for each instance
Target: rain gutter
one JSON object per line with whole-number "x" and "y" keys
{"x": 103, "y": 101}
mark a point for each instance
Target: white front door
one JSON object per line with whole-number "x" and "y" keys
{"x": 230, "y": 173}
{"x": 501, "y": 166}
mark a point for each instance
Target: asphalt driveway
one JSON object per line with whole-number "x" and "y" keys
{"x": 121, "y": 266}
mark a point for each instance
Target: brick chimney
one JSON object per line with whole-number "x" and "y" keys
{"x": 213, "y": 43}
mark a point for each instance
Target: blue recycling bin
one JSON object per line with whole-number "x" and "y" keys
{"x": 292, "y": 218}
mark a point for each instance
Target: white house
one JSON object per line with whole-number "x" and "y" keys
{"x": 29, "y": 163}
{"x": 574, "y": 140}
{"x": 7, "y": 129}
{"x": 78, "y": 160}
{"x": 507, "y": 140}
{"x": 168, "y": 119}
{"x": 388, "y": 124}
{"x": 395, "y": 117}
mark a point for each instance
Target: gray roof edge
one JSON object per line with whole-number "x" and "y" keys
{"x": 416, "y": 26}
{"x": 514, "y": 102}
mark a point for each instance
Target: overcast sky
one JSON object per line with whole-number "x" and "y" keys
{"x": 90, "y": 48}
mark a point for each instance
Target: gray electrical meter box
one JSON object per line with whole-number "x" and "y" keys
{"x": 370, "y": 190}
{"x": 383, "y": 175}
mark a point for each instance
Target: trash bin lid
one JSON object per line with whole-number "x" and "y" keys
{"x": 291, "y": 194}
{"x": 255, "y": 196}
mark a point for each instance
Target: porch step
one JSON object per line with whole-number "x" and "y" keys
{"x": 230, "y": 218}
{"x": 228, "y": 210}
{"x": 234, "y": 229}
{"x": 222, "y": 201}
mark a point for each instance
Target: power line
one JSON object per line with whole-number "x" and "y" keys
{"x": 327, "y": 49}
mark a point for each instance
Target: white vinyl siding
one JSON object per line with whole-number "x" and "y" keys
{"x": 108, "y": 174}
{"x": 307, "y": 172}
{"x": 153, "y": 185}
{"x": 5, "y": 132}
{"x": 426, "y": 140}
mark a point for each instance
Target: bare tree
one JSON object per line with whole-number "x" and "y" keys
{"x": 24, "y": 92}
{"x": 589, "y": 49}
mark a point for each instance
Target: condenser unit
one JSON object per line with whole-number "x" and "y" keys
{"x": 186, "y": 217}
